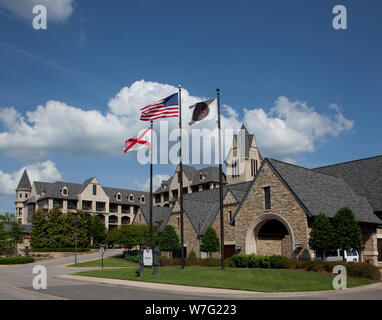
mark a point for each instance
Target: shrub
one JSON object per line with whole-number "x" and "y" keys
{"x": 16, "y": 260}
{"x": 279, "y": 262}
{"x": 131, "y": 255}
{"x": 239, "y": 261}
{"x": 258, "y": 261}
{"x": 192, "y": 255}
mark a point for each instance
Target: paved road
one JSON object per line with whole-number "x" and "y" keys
{"x": 16, "y": 283}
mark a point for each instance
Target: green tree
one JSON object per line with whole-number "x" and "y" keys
{"x": 97, "y": 229}
{"x": 322, "y": 235}
{"x": 347, "y": 230}
{"x": 210, "y": 241}
{"x": 76, "y": 222}
{"x": 10, "y": 234}
{"x": 56, "y": 226}
{"x": 168, "y": 239}
{"x": 39, "y": 234}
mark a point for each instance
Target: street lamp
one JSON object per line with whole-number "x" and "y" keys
{"x": 75, "y": 237}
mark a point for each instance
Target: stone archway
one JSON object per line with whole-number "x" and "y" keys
{"x": 251, "y": 240}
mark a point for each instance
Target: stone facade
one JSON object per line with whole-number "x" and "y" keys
{"x": 284, "y": 208}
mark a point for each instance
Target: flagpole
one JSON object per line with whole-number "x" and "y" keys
{"x": 151, "y": 185}
{"x": 180, "y": 176}
{"x": 220, "y": 186}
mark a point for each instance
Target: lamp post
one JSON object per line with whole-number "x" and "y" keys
{"x": 75, "y": 238}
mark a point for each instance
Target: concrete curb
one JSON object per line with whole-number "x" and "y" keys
{"x": 198, "y": 291}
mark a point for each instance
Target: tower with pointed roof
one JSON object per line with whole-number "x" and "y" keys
{"x": 23, "y": 192}
{"x": 243, "y": 159}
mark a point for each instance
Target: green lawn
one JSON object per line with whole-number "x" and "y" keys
{"x": 107, "y": 262}
{"x": 265, "y": 280}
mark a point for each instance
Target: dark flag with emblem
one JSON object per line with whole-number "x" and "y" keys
{"x": 201, "y": 110}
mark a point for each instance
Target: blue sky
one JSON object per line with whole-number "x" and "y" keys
{"x": 255, "y": 51}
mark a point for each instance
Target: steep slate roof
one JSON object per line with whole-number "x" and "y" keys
{"x": 318, "y": 192}
{"x": 364, "y": 176}
{"x": 112, "y": 192}
{"x": 211, "y": 174}
{"x": 54, "y": 190}
{"x": 24, "y": 183}
{"x": 159, "y": 214}
{"x": 203, "y": 206}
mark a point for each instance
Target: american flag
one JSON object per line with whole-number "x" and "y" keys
{"x": 164, "y": 108}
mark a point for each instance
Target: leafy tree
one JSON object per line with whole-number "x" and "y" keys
{"x": 76, "y": 223}
{"x": 210, "y": 241}
{"x": 10, "y": 234}
{"x": 39, "y": 234}
{"x": 97, "y": 229}
{"x": 168, "y": 239}
{"x": 56, "y": 229}
{"x": 347, "y": 230}
{"x": 322, "y": 234}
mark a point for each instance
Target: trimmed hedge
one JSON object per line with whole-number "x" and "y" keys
{"x": 356, "y": 270}
{"x": 59, "y": 249}
{"x": 131, "y": 255}
{"x": 16, "y": 260}
{"x": 259, "y": 261}
{"x": 208, "y": 262}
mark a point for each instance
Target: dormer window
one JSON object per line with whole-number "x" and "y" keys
{"x": 163, "y": 186}
{"x": 143, "y": 199}
{"x": 119, "y": 197}
{"x": 94, "y": 189}
{"x": 200, "y": 175}
{"x": 131, "y": 198}
{"x": 64, "y": 191}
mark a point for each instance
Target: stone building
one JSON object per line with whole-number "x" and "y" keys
{"x": 269, "y": 205}
{"x": 114, "y": 206}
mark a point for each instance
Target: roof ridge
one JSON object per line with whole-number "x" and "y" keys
{"x": 350, "y": 161}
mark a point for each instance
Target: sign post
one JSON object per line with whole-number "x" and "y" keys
{"x": 102, "y": 252}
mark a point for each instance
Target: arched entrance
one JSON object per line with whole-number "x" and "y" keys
{"x": 270, "y": 234}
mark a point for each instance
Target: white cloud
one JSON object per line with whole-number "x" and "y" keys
{"x": 291, "y": 127}
{"x": 40, "y": 171}
{"x": 57, "y": 10}
{"x": 157, "y": 179}
{"x": 288, "y": 129}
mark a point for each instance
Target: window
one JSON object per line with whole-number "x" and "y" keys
{"x": 143, "y": 199}
{"x": 26, "y": 195}
{"x": 20, "y": 195}
{"x": 253, "y": 169}
{"x": 119, "y": 197}
{"x": 163, "y": 186}
{"x": 267, "y": 196}
{"x": 131, "y": 198}
{"x": 20, "y": 211}
{"x": 230, "y": 218}
{"x": 65, "y": 192}
{"x": 201, "y": 176}
{"x": 178, "y": 220}
{"x": 179, "y": 176}
{"x": 94, "y": 189}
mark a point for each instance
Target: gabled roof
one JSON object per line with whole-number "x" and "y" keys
{"x": 54, "y": 190}
{"x": 161, "y": 215}
{"x": 24, "y": 183}
{"x": 364, "y": 176}
{"x": 112, "y": 192}
{"x": 202, "y": 207}
{"x": 211, "y": 174}
{"x": 317, "y": 192}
